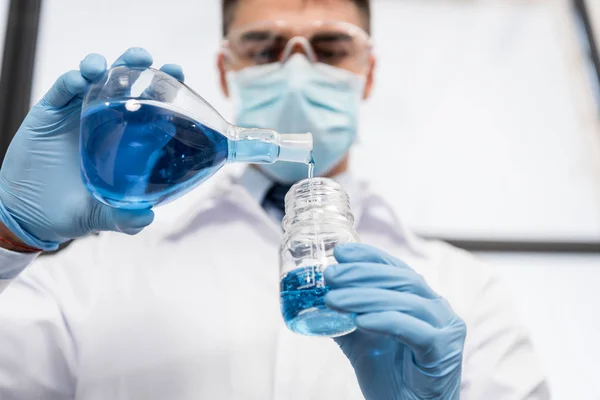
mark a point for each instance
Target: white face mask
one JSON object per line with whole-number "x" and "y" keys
{"x": 296, "y": 97}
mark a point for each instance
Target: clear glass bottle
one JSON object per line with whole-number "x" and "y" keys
{"x": 147, "y": 138}
{"x": 318, "y": 217}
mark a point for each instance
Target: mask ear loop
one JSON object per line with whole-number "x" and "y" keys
{"x": 302, "y": 41}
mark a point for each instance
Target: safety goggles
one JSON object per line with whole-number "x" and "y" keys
{"x": 336, "y": 43}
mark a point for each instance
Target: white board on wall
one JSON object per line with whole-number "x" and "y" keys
{"x": 475, "y": 127}
{"x": 479, "y": 115}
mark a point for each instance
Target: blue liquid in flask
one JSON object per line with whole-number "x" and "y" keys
{"x": 303, "y": 305}
{"x": 136, "y": 154}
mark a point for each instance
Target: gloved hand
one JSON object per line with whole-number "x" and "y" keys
{"x": 408, "y": 343}
{"x": 43, "y": 200}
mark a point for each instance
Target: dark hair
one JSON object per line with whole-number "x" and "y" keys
{"x": 229, "y": 7}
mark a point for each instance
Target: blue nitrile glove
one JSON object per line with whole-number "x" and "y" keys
{"x": 409, "y": 342}
{"x": 43, "y": 200}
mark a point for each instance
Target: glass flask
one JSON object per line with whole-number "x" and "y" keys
{"x": 318, "y": 217}
{"x": 147, "y": 138}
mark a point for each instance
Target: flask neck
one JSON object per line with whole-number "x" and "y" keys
{"x": 317, "y": 201}
{"x": 265, "y": 146}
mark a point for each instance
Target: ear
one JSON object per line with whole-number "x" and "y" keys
{"x": 370, "y": 77}
{"x": 222, "y": 73}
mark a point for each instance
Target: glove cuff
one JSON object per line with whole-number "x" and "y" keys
{"x": 16, "y": 229}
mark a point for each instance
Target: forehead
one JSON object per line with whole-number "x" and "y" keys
{"x": 251, "y": 11}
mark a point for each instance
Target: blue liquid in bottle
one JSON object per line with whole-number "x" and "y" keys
{"x": 303, "y": 307}
{"x": 136, "y": 154}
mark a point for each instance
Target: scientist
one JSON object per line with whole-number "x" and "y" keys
{"x": 188, "y": 309}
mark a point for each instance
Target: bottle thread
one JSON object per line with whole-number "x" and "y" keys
{"x": 317, "y": 200}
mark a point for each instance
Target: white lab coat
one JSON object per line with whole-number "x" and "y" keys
{"x": 190, "y": 310}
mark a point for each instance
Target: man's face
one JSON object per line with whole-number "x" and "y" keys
{"x": 296, "y": 13}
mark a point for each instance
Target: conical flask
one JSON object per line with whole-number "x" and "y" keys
{"x": 147, "y": 138}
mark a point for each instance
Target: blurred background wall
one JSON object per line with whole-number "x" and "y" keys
{"x": 484, "y": 128}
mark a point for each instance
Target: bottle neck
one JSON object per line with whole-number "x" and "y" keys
{"x": 317, "y": 201}
{"x": 266, "y": 146}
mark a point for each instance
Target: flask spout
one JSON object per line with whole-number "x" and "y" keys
{"x": 266, "y": 146}
{"x": 295, "y": 147}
